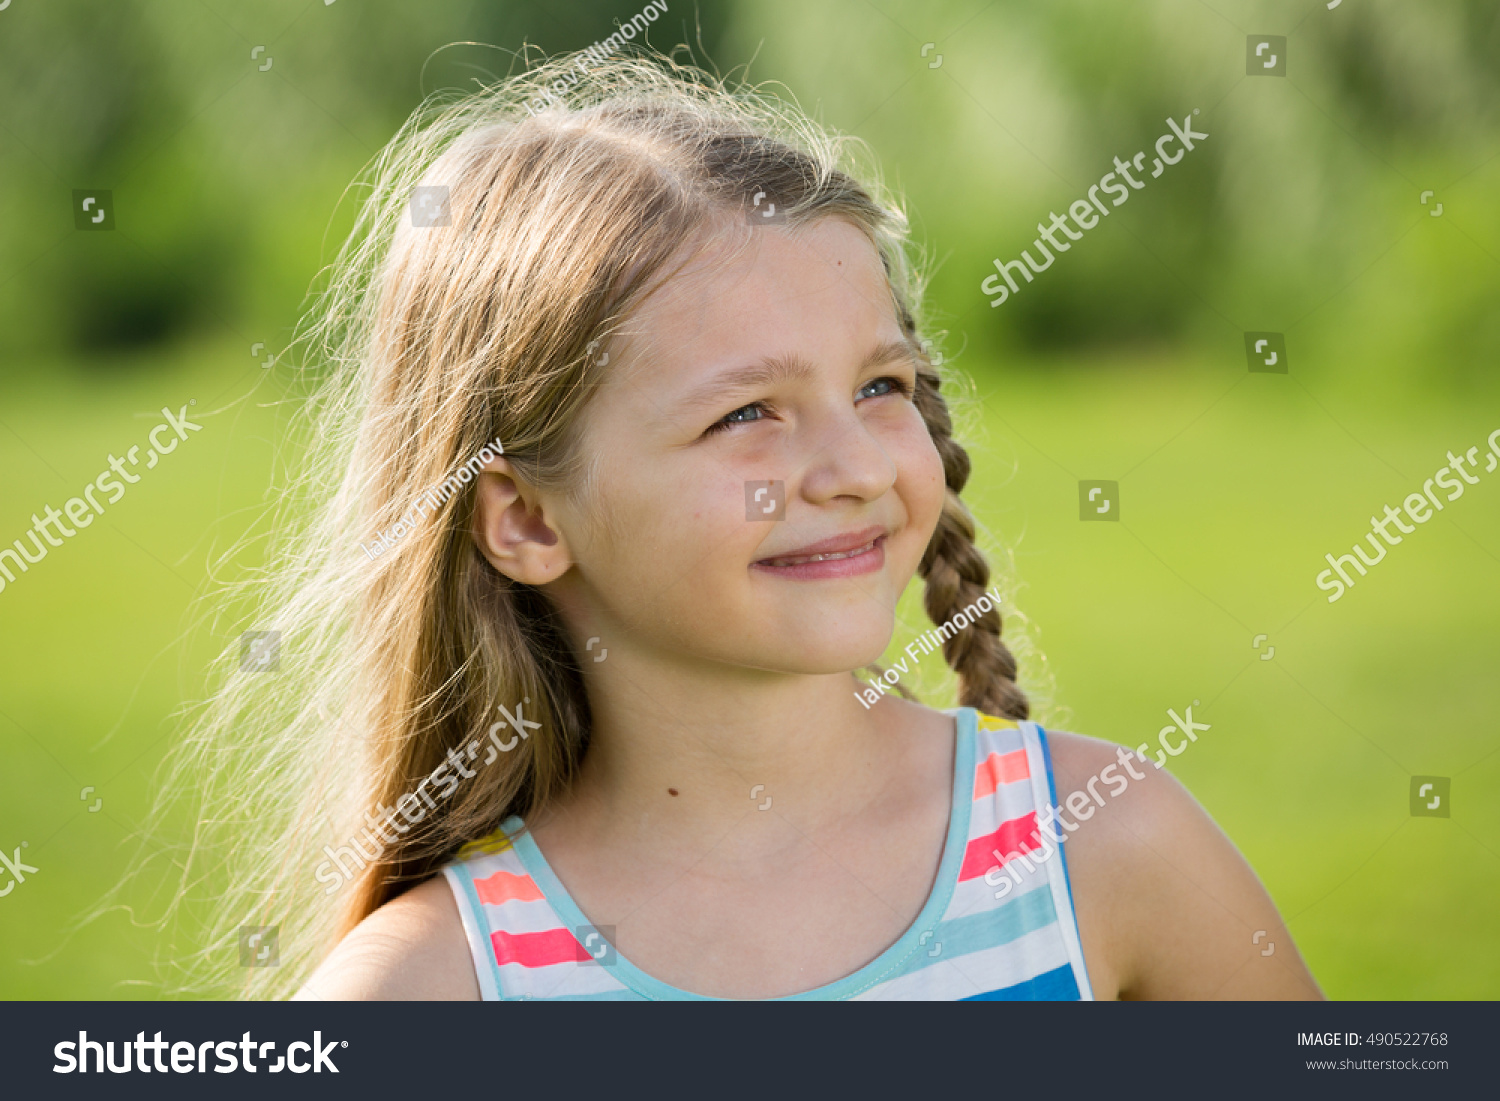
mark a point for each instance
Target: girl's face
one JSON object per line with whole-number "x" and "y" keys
{"x": 758, "y": 415}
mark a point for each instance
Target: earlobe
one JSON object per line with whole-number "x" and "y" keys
{"x": 514, "y": 527}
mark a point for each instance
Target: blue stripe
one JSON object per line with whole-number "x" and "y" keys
{"x": 1057, "y": 985}
{"x": 959, "y": 937}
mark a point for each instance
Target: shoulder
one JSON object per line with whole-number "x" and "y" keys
{"x": 411, "y": 949}
{"x": 1145, "y": 815}
{"x": 1158, "y": 804}
{"x": 1166, "y": 905}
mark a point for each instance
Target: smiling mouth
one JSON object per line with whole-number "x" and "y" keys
{"x": 803, "y": 559}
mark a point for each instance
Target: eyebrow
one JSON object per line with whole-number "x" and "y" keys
{"x": 783, "y": 368}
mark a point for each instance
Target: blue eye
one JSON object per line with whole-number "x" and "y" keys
{"x": 760, "y": 410}
{"x": 738, "y": 417}
{"x": 892, "y": 384}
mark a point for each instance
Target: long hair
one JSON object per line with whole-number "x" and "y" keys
{"x": 506, "y": 234}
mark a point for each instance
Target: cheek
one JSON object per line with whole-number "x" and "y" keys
{"x": 920, "y": 481}
{"x": 661, "y": 521}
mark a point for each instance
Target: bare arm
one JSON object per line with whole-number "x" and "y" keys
{"x": 411, "y": 949}
{"x": 1167, "y": 906}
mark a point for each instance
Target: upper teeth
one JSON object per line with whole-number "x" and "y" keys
{"x": 822, "y": 557}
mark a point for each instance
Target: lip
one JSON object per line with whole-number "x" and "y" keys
{"x": 858, "y": 552}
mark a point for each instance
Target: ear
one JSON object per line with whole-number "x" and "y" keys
{"x": 514, "y": 528}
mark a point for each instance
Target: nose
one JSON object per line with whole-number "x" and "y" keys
{"x": 845, "y": 459}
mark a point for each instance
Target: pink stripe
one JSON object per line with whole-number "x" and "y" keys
{"x": 1000, "y": 768}
{"x": 1014, "y": 834}
{"x": 502, "y": 887}
{"x": 537, "y": 949}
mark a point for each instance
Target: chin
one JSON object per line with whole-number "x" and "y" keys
{"x": 828, "y": 647}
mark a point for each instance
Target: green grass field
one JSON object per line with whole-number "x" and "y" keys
{"x": 1233, "y": 487}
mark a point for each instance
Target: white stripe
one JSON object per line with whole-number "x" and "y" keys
{"x": 487, "y": 864}
{"x": 1009, "y": 801}
{"x": 559, "y": 978}
{"x": 522, "y": 916}
{"x": 975, "y": 896}
{"x": 1005, "y": 740}
{"x": 1026, "y": 957}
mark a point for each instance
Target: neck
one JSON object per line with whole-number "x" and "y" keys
{"x": 727, "y": 741}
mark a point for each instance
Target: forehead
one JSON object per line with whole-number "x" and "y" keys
{"x": 814, "y": 291}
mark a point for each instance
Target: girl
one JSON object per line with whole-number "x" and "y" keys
{"x": 631, "y": 448}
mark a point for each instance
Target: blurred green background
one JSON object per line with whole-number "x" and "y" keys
{"x": 1300, "y": 214}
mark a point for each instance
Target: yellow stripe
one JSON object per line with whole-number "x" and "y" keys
{"x": 487, "y": 845}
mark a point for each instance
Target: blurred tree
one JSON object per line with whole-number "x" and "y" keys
{"x": 1300, "y": 212}
{"x": 226, "y": 161}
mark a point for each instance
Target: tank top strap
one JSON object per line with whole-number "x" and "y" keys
{"x": 1012, "y": 905}
{"x": 521, "y": 948}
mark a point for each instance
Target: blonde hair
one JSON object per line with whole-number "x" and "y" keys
{"x": 433, "y": 341}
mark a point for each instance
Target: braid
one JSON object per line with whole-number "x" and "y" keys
{"x": 956, "y": 574}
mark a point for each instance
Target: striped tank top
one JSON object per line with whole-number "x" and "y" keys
{"x": 998, "y": 925}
